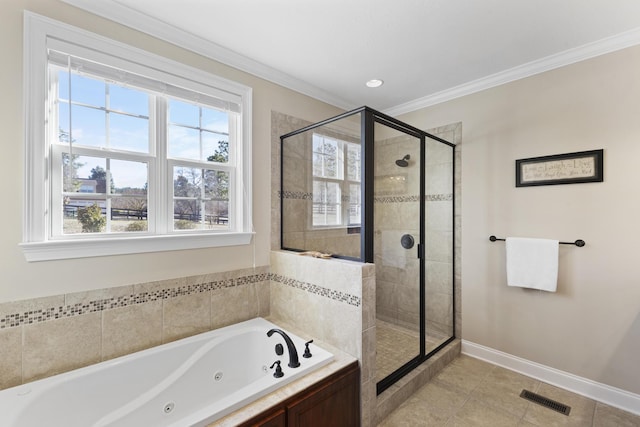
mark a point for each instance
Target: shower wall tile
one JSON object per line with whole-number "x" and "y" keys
{"x": 438, "y": 178}
{"x": 438, "y": 152}
{"x": 386, "y": 300}
{"x": 368, "y": 302}
{"x": 439, "y": 307}
{"x": 281, "y": 124}
{"x": 62, "y": 345}
{"x": 439, "y": 246}
{"x": 439, "y": 216}
{"x": 439, "y": 277}
{"x": 129, "y": 329}
{"x": 10, "y": 357}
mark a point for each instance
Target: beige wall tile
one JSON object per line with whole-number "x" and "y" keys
{"x": 24, "y": 306}
{"x": 10, "y": 357}
{"x": 233, "y": 305}
{"x": 186, "y": 315}
{"x": 61, "y": 345}
{"x": 99, "y": 294}
{"x": 130, "y": 329}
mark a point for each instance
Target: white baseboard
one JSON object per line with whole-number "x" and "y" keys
{"x": 612, "y": 396}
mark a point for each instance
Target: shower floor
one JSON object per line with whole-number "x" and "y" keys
{"x": 396, "y": 345}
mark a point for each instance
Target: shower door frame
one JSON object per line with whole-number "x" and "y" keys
{"x": 368, "y": 119}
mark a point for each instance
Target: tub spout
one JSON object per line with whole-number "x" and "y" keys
{"x": 293, "y": 353}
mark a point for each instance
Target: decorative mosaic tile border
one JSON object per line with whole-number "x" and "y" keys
{"x": 413, "y": 198}
{"x": 296, "y": 195}
{"x": 299, "y": 195}
{"x": 318, "y": 290}
{"x": 52, "y": 313}
{"x": 396, "y": 199}
{"x": 439, "y": 197}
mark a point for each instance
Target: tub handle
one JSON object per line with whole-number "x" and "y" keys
{"x": 278, "y": 373}
{"x": 307, "y": 353}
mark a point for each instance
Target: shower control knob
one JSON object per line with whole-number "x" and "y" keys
{"x": 407, "y": 241}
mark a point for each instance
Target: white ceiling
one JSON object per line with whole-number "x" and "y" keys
{"x": 426, "y": 51}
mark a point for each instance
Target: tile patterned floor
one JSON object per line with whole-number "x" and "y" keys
{"x": 396, "y": 345}
{"x": 470, "y": 392}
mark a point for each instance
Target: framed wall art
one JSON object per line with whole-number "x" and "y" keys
{"x": 569, "y": 168}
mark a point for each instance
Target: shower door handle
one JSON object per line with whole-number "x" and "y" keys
{"x": 420, "y": 250}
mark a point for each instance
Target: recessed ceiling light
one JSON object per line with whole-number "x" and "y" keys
{"x": 374, "y": 83}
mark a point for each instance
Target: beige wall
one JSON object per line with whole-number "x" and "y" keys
{"x": 591, "y": 326}
{"x": 21, "y": 280}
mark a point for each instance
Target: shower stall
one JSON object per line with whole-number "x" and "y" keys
{"x": 367, "y": 187}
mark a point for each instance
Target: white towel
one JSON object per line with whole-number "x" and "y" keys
{"x": 532, "y": 263}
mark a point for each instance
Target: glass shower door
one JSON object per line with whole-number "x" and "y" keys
{"x": 397, "y": 237}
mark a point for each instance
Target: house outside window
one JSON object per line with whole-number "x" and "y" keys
{"x": 144, "y": 148}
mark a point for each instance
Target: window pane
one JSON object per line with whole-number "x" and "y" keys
{"x": 215, "y": 147}
{"x": 184, "y": 143}
{"x": 85, "y": 90}
{"x": 217, "y": 215}
{"x": 216, "y": 185}
{"x": 353, "y": 162}
{"x": 128, "y": 100}
{"x": 186, "y": 182}
{"x": 354, "y": 204}
{"x": 201, "y": 199}
{"x": 129, "y": 214}
{"x": 84, "y": 174}
{"x": 326, "y": 203}
{"x": 128, "y": 133}
{"x": 83, "y": 216}
{"x": 183, "y": 113}
{"x": 215, "y": 120}
{"x": 129, "y": 178}
{"x": 88, "y": 126}
{"x": 327, "y": 157}
{"x": 63, "y": 122}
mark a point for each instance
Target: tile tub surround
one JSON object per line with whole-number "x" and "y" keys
{"x": 47, "y": 336}
{"x": 332, "y": 300}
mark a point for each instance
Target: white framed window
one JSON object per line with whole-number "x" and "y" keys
{"x": 336, "y": 182}
{"x": 129, "y": 152}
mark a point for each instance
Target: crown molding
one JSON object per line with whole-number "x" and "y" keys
{"x": 114, "y": 11}
{"x": 561, "y": 59}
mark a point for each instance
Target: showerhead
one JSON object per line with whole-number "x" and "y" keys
{"x": 403, "y": 163}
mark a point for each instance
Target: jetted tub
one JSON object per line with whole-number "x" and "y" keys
{"x": 190, "y": 382}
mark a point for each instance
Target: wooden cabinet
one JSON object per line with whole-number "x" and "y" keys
{"x": 334, "y": 401}
{"x": 275, "y": 419}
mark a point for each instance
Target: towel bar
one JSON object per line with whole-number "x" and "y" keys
{"x": 579, "y": 243}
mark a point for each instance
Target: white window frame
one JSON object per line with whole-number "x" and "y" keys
{"x": 343, "y": 182}
{"x": 37, "y": 244}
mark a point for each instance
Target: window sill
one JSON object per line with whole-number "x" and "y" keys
{"x": 67, "y": 249}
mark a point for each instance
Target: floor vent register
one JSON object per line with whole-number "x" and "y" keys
{"x": 546, "y": 402}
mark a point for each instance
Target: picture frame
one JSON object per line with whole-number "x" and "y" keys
{"x": 569, "y": 168}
